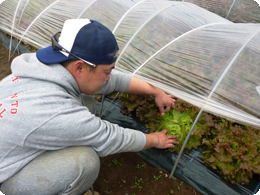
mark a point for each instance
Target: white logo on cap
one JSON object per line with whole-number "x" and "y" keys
{"x": 69, "y": 32}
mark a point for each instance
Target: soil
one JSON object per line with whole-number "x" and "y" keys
{"x": 129, "y": 174}
{"x": 124, "y": 173}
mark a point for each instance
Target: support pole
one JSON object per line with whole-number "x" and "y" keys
{"x": 184, "y": 144}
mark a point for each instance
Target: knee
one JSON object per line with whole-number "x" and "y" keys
{"x": 88, "y": 160}
{"x": 85, "y": 170}
{"x": 71, "y": 170}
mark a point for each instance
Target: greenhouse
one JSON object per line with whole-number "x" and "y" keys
{"x": 190, "y": 49}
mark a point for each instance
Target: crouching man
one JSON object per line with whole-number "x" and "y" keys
{"x": 50, "y": 141}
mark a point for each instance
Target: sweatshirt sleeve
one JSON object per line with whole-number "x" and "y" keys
{"x": 77, "y": 126}
{"x": 118, "y": 82}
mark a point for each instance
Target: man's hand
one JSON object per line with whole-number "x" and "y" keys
{"x": 164, "y": 102}
{"x": 160, "y": 140}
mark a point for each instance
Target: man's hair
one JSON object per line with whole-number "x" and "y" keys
{"x": 67, "y": 62}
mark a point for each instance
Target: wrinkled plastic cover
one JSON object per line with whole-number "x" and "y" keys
{"x": 186, "y": 50}
{"x": 239, "y": 11}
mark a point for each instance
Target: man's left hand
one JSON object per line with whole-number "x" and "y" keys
{"x": 164, "y": 102}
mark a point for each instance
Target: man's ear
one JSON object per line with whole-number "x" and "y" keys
{"x": 77, "y": 68}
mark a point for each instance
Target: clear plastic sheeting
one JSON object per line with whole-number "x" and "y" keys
{"x": 209, "y": 67}
{"x": 244, "y": 11}
{"x": 187, "y": 51}
{"x": 220, "y": 7}
{"x": 239, "y": 11}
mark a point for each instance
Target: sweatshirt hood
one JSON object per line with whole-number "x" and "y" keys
{"x": 28, "y": 66}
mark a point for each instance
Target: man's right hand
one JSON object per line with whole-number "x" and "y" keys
{"x": 160, "y": 140}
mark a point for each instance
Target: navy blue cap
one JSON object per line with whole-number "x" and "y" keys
{"x": 85, "y": 38}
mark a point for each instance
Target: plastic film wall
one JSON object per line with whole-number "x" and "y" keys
{"x": 186, "y": 50}
{"x": 239, "y": 11}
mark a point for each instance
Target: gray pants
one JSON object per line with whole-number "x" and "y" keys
{"x": 68, "y": 171}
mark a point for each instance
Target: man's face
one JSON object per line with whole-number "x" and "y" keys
{"x": 93, "y": 80}
{"x": 90, "y": 79}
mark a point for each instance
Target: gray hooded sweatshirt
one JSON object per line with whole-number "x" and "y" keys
{"x": 41, "y": 108}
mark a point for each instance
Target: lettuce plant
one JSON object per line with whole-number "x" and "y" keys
{"x": 180, "y": 123}
{"x": 177, "y": 121}
{"x": 233, "y": 150}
